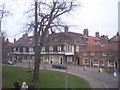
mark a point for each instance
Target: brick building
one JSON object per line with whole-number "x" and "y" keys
{"x": 104, "y": 53}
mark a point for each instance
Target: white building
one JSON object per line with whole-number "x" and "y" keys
{"x": 58, "y": 48}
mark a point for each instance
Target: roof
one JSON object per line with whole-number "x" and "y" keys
{"x": 114, "y": 39}
{"x": 24, "y": 41}
{"x": 61, "y": 38}
{"x": 96, "y": 48}
{"x": 92, "y": 40}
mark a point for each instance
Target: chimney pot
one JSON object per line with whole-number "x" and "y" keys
{"x": 85, "y": 32}
{"x": 97, "y": 34}
{"x": 65, "y": 28}
{"x": 14, "y": 40}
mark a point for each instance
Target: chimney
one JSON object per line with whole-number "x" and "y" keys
{"x": 25, "y": 35}
{"x": 97, "y": 34}
{"x": 85, "y": 32}
{"x": 7, "y": 40}
{"x": 14, "y": 40}
{"x": 65, "y": 28}
{"x": 117, "y": 34}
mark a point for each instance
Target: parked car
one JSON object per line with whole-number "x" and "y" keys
{"x": 59, "y": 66}
{"x": 7, "y": 62}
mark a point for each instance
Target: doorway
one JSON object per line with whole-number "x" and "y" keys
{"x": 61, "y": 60}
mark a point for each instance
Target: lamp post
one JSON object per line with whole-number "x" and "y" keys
{"x": 66, "y": 78}
{"x": 0, "y": 57}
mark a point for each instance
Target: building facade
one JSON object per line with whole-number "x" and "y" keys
{"x": 70, "y": 48}
{"x": 104, "y": 54}
{"x": 58, "y": 48}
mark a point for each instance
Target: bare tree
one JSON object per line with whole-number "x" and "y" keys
{"x": 3, "y": 14}
{"x": 48, "y": 18}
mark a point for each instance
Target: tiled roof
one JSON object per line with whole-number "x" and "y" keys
{"x": 92, "y": 40}
{"x": 61, "y": 38}
{"x": 114, "y": 39}
{"x": 65, "y": 38}
{"x": 24, "y": 41}
{"x": 96, "y": 48}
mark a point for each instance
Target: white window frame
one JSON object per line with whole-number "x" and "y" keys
{"x": 50, "y": 48}
{"x": 58, "y": 48}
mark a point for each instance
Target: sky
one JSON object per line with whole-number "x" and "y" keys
{"x": 95, "y": 15}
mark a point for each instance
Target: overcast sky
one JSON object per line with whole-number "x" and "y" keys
{"x": 96, "y": 15}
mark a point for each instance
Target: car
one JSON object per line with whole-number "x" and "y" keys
{"x": 59, "y": 66}
{"x": 7, "y": 62}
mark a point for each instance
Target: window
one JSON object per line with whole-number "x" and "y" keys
{"x": 111, "y": 62}
{"x": 85, "y": 54}
{"x": 47, "y": 48}
{"x": 62, "y": 47}
{"x": 31, "y": 49}
{"x": 92, "y": 53}
{"x": 16, "y": 48}
{"x": 12, "y": 49}
{"x": 21, "y": 49}
{"x": 86, "y": 61}
{"x": 25, "y": 57}
{"x": 43, "y": 48}
{"x": 68, "y": 48}
{"x": 59, "y": 48}
{"x": 15, "y": 57}
{"x": 24, "y": 49}
{"x": 27, "y": 49}
{"x": 55, "y": 48}
{"x": 104, "y": 54}
{"x": 101, "y": 62}
{"x": 95, "y": 61}
{"x": 77, "y": 48}
{"x": 50, "y": 48}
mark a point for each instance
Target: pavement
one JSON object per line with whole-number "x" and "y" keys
{"x": 96, "y": 79}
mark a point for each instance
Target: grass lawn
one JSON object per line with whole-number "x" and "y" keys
{"x": 48, "y": 78}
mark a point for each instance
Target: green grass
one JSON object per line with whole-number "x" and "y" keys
{"x": 48, "y": 78}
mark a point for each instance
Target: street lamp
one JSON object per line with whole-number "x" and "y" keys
{"x": 35, "y": 0}
{"x": 0, "y": 57}
{"x": 66, "y": 78}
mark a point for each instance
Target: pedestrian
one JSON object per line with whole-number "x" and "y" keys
{"x": 84, "y": 67}
{"x": 17, "y": 85}
{"x": 114, "y": 74}
{"x": 24, "y": 86}
{"x": 101, "y": 71}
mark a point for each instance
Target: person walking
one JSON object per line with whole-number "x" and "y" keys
{"x": 101, "y": 70}
{"x": 84, "y": 67}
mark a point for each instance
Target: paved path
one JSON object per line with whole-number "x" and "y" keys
{"x": 96, "y": 79}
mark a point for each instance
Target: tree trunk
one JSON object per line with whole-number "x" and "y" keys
{"x": 36, "y": 68}
{"x": 37, "y": 58}
{"x": 37, "y": 63}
